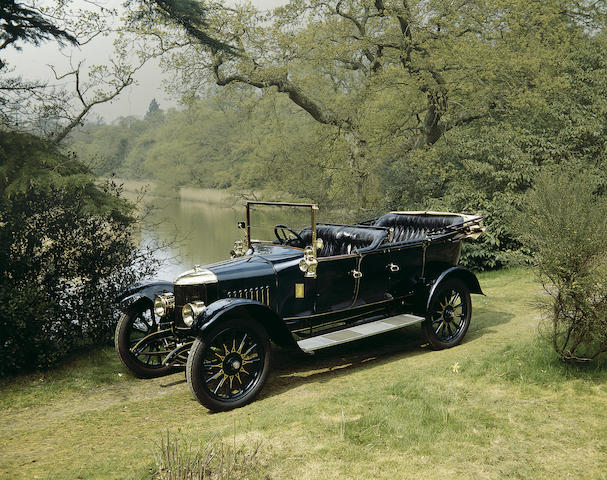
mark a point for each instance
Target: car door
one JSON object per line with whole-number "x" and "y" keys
{"x": 406, "y": 268}
{"x": 336, "y": 283}
{"x": 374, "y": 281}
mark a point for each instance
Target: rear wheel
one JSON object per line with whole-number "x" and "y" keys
{"x": 448, "y": 317}
{"x": 229, "y": 364}
{"x": 143, "y": 357}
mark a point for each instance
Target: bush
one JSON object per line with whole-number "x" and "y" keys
{"x": 564, "y": 223}
{"x": 67, "y": 249}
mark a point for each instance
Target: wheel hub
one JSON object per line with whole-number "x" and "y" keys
{"x": 232, "y": 364}
{"x": 448, "y": 313}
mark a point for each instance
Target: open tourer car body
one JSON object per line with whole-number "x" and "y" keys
{"x": 306, "y": 290}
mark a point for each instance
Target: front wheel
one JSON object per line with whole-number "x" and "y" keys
{"x": 141, "y": 353}
{"x": 229, "y": 364}
{"x": 448, "y": 317}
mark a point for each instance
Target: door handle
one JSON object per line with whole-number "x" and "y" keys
{"x": 356, "y": 273}
{"x": 393, "y": 267}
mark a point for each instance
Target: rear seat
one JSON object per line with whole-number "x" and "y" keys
{"x": 338, "y": 240}
{"x": 415, "y": 227}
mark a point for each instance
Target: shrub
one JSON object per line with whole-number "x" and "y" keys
{"x": 67, "y": 249}
{"x": 564, "y": 223}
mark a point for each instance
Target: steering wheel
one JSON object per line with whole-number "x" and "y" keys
{"x": 284, "y": 239}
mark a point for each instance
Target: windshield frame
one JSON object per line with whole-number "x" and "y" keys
{"x": 313, "y": 209}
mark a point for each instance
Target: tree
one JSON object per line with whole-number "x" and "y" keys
{"x": 36, "y": 106}
{"x": 344, "y": 62}
{"x": 153, "y": 108}
{"x": 55, "y": 111}
{"x": 391, "y": 79}
{"x": 557, "y": 122}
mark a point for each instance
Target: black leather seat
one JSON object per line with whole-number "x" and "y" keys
{"x": 415, "y": 227}
{"x": 338, "y": 240}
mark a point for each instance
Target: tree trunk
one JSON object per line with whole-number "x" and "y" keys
{"x": 358, "y": 161}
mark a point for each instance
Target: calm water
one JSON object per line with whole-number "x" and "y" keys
{"x": 204, "y": 232}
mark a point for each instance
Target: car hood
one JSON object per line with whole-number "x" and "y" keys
{"x": 260, "y": 264}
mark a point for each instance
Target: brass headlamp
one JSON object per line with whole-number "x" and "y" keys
{"x": 163, "y": 303}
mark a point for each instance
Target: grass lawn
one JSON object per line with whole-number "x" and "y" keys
{"x": 384, "y": 407}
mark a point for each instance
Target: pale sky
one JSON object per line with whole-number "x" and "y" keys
{"x": 32, "y": 63}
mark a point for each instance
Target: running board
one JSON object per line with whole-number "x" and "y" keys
{"x": 360, "y": 331}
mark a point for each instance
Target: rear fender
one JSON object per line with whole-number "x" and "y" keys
{"x": 142, "y": 292}
{"x": 242, "y": 307}
{"x": 460, "y": 273}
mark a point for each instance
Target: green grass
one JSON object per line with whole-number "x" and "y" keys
{"x": 386, "y": 407}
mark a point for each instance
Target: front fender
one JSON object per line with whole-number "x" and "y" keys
{"x": 141, "y": 290}
{"x": 242, "y": 307}
{"x": 461, "y": 273}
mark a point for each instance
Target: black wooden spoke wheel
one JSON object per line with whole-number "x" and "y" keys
{"x": 229, "y": 364}
{"x": 448, "y": 317}
{"x": 144, "y": 359}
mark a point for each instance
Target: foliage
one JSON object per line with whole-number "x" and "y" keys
{"x": 557, "y": 121}
{"x": 204, "y": 146}
{"x": 67, "y": 251}
{"x": 563, "y": 223}
{"x": 376, "y": 75}
{"x": 216, "y": 460}
{"x": 334, "y": 102}
{"x": 24, "y": 23}
{"x": 105, "y": 148}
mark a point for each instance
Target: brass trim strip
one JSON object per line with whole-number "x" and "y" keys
{"x": 338, "y": 257}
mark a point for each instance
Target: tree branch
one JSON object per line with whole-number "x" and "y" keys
{"x": 87, "y": 105}
{"x": 319, "y": 112}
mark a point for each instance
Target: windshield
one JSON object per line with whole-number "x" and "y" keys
{"x": 264, "y": 217}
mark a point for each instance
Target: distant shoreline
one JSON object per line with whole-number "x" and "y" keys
{"x": 215, "y": 196}
{"x": 191, "y": 194}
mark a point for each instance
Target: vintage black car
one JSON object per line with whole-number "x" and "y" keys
{"x": 305, "y": 290}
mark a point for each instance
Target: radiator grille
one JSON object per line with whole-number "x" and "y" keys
{"x": 189, "y": 293}
{"x": 260, "y": 294}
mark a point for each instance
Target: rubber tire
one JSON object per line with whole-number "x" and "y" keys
{"x": 433, "y": 339}
{"x": 121, "y": 343}
{"x": 194, "y": 365}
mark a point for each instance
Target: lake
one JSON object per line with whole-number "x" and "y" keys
{"x": 202, "y": 231}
